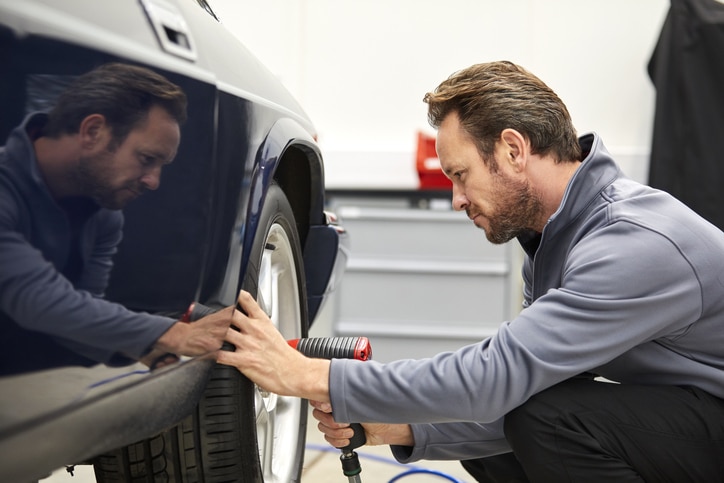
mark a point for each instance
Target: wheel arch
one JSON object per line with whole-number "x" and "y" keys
{"x": 299, "y": 175}
{"x": 290, "y": 157}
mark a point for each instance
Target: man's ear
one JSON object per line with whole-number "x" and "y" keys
{"x": 93, "y": 131}
{"x": 514, "y": 149}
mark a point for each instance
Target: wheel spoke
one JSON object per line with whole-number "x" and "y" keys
{"x": 266, "y": 279}
{"x": 264, "y": 429}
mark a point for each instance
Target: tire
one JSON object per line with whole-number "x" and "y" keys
{"x": 238, "y": 433}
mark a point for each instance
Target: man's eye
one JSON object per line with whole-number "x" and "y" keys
{"x": 146, "y": 160}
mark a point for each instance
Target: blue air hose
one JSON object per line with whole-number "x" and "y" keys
{"x": 412, "y": 470}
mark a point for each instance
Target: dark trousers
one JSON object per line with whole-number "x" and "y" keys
{"x": 588, "y": 431}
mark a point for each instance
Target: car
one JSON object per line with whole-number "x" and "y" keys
{"x": 242, "y": 206}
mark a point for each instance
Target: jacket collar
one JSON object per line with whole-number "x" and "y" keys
{"x": 19, "y": 146}
{"x": 597, "y": 171}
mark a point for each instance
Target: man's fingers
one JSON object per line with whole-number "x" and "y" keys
{"x": 331, "y": 428}
{"x": 322, "y": 406}
{"x": 337, "y": 437}
{"x": 337, "y": 442}
{"x": 250, "y": 306}
{"x": 237, "y": 319}
{"x": 227, "y": 358}
{"x": 233, "y": 337}
{"x": 325, "y": 418}
{"x": 240, "y": 319}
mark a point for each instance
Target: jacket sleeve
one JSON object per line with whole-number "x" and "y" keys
{"x": 601, "y": 310}
{"x": 453, "y": 441}
{"x": 37, "y": 297}
{"x": 104, "y": 244}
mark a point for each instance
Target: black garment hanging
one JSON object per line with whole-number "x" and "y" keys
{"x": 687, "y": 68}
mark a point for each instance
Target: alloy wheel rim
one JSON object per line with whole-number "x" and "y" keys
{"x": 278, "y": 417}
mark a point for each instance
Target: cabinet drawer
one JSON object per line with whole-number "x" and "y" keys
{"x": 419, "y": 299}
{"x": 425, "y": 234}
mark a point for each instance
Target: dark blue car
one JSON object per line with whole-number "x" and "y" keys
{"x": 242, "y": 206}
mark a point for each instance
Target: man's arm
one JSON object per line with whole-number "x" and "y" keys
{"x": 410, "y": 443}
{"x": 37, "y": 297}
{"x": 97, "y": 269}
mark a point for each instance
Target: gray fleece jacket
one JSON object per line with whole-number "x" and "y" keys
{"x": 625, "y": 282}
{"x": 42, "y": 312}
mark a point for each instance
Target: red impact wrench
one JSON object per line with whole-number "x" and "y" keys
{"x": 341, "y": 348}
{"x": 321, "y": 348}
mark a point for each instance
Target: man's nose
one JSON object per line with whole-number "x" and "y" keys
{"x": 459, "y": 200}
{"x": 152, "y": 179}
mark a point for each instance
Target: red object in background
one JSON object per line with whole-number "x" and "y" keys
{"x": 428, "y": 165}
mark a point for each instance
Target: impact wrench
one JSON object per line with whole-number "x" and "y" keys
{"x": 341, "y": 348}
{"x": 321, "y": 348}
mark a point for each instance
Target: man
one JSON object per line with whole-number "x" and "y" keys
{"x": 64, "y": 177}
{"x": 621, "y": 281}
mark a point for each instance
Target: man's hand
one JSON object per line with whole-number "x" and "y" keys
{"x": 265, "y": 357}
{"x": 339, "y": 434}
{"x": 196, "y": 338}
{"x": 157, "y": 359}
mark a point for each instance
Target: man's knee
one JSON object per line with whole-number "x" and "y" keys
{"x": 534, "y": 428}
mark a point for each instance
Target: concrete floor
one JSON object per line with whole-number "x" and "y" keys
{"x": 322, "y": 465}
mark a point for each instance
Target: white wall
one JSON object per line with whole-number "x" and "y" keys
{"x": 361, "y": 67}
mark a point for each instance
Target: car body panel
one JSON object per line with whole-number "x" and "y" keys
{"x": 185, "y": 242}
{"x": 92, "y": 411}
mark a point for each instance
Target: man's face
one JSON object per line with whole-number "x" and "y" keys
{"x": 113, "y": 177}
{"x": 500, "y": 202}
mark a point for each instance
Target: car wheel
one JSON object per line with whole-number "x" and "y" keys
{"x": 239, "y": 433}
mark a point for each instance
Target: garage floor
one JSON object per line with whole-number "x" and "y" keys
{"x": 322, "y": 465}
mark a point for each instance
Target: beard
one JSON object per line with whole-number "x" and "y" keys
{"x": 95, "y": 181}
{"x": 517, "y": 208}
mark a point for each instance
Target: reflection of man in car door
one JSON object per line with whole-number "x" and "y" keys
{"x": 64, "y": 176}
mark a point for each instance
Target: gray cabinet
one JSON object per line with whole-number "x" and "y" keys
{"x": 421, "y": 278}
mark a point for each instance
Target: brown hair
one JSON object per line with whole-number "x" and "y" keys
{"x": 122, "y": 93}
{"x": 495, "y": 96}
